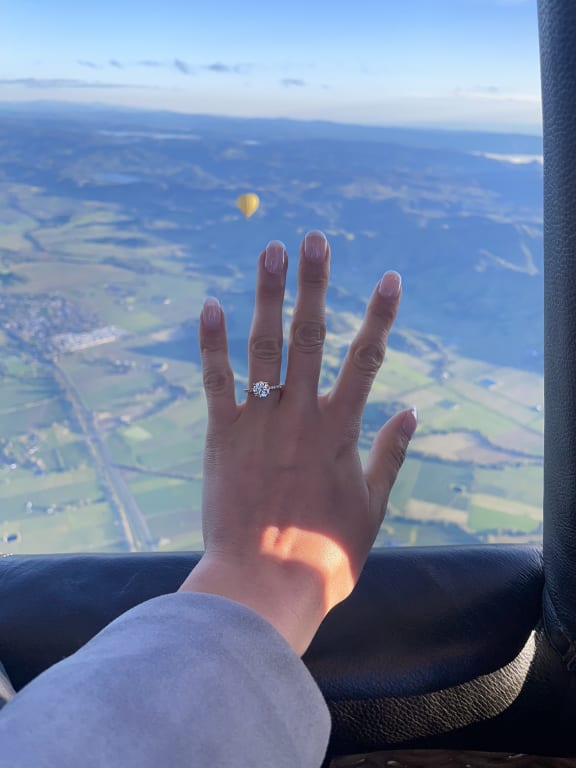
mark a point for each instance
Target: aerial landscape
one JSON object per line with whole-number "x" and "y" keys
{"x": 115, "y": 224}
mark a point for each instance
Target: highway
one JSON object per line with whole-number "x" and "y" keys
{"x": 134, "y": 525}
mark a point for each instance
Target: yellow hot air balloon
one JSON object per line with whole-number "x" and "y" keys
{"x": 248, "y": 204}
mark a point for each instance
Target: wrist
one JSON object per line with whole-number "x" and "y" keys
{"x": 285, "y": 596}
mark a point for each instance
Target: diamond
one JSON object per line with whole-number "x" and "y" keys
{"x": 261, "y": 389}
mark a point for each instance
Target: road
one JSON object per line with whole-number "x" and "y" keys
{"x": 134, "y": 525}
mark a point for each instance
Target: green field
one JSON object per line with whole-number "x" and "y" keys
{"x": 443, "y": 484}
{"x": 480, "y": 519}
{"x": 105, "y": 390}
{"x": 172, "y": 507}
{"x": 70, "y": 488}
{"x": 519, "y": 483}
{"x": 175, "y": 438}
{"x": 91, "y": 528}
{"x": 28, "y": 400}
{"x": 58, "y": 512}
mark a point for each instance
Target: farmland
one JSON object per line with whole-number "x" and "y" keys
{"x": 101, "y": 447}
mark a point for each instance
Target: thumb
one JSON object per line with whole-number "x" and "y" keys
{"x": 387, "y": 456}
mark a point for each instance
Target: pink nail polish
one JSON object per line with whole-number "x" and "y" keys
{"x": 390, "y": 285}
{"x": 212, "y": 313}
{"x": 410, "y": 422}
{"x": 315, "y": 247}
{"x": 274, "y": 260}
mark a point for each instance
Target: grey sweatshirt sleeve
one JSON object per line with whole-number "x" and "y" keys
{"x": 181, "y": 680}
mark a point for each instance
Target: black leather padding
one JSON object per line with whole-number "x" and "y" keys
{"x": 419, "y": 621}
{"x": 51, "y": 605}
{"x": 422, "y": 619}
{"x": 557, "y": 20}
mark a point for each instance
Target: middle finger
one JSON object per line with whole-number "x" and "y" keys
{"x": 308, "y": 328}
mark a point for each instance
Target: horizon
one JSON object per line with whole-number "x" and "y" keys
{"x": 47, "y": 105}
{"x": 459, "y": 65}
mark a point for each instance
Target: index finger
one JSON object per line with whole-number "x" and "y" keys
{"x": 366, "y": 353}
{"x": 217, "y": 373}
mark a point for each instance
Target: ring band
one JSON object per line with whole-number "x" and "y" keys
{"x": 262, "y": 389}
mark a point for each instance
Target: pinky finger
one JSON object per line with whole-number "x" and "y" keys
{"x": 217, "y": 373}
{"x": 387, "y": 456}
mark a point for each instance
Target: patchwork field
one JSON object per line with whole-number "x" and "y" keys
{"x": 70, "y": 422}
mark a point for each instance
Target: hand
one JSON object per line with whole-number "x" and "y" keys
{"x": 289, "y": 515}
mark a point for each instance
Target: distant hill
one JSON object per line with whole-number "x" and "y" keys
{"x": 124, "y": 118}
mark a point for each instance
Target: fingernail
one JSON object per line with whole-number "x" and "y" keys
{"x": 390, "y": 285}
{"x": 212, "y": 313}
{"x": 315, "y": 246}
{"x": 410, "y": 422}
{"x": 274, "y": 261}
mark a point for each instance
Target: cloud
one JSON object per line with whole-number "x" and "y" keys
{"x": 182, "y": 67}
{"x": 33, "y": 82}
{"x": 486, "y": 89}
{"x": 178, "y": 64}
{"x": 218, "y": 67}
{"x": 495, "y": 94}
{"x": 479, "y": 91}
{"x": 291, "y": 82}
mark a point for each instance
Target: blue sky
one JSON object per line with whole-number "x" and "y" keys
{"x": 451, "y": 63}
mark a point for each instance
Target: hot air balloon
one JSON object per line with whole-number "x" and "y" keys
{"x": 248, "y": 204}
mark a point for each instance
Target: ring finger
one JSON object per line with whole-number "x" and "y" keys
{"x": 265, "y": 340}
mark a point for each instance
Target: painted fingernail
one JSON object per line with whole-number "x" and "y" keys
{"x": 274, "y": 261}
{"x": 315, "y": 246}
{"x": 410, "y": 422}
{"x": 390, "y": 285}
{"x": 212, "y": 313}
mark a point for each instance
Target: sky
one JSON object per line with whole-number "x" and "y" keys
{"x": 469, "y": 64}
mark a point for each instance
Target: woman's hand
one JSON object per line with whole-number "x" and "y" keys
{"x": 289, "y": 515}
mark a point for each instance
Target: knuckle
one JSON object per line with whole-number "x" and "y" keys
{"x": 398, "y": 455}
{"x": 270, "y": 290}
{"x": 314, "y": 276}
{"x": 385, "y": 312}
{"x": 267, "y": 348}
{"x": 210, "y": 345}
{"x": 368, "y": 357}
{"x": 348, "y": 437}
{"x": 216, "y": 381}
{"x": 309, "y": 336}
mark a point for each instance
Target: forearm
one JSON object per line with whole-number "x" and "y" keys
{"x": 179, "y": 680}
